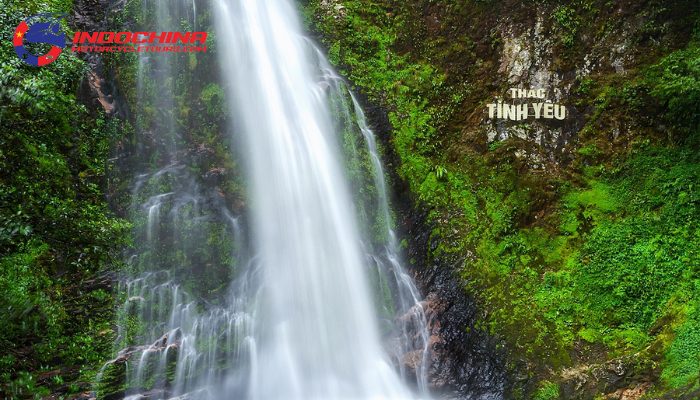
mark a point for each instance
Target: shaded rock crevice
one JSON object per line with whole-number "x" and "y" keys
{"x": 465, "y": 361}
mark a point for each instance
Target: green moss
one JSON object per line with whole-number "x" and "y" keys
{"x": 590, "y": 252}
{"x": 682, "y": 360}
{"x": 568, "y": 19}
{"x": 213, "y": 98}
{"x": 112, "y": 381}
{"x": 547, "y": 391}
{"x": 675, "y": 82}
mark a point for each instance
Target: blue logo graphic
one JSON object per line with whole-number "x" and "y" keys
{"x": 41, "y": 28}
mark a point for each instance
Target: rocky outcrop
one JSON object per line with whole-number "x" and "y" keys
{"x": 96, "y": 89}
{"x": 112, "y": 379}
{"x": 465, "y": 362}
{"x": 623, "y": 378}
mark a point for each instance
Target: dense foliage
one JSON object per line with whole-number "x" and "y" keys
{"x": 590, "y": 260}
{"x": 56, "y": 234}
{"x": 593, "y": 259}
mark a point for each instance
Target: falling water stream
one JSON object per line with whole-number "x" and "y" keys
{"x": 319, "y": 306}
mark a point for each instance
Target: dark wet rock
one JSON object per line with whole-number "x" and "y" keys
{"x": 98, "y": 90}
{"x": 621, "y": 378}
{"x": 464, "y": 360}
{"x": 112, "y": 380}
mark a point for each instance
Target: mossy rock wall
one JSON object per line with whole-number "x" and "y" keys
{"x": 577, "y": 238}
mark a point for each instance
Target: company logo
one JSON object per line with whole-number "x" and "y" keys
{"x": 45, "y": 29}
{"x": 161, "y": 42}
{"x": 39, "y": 29}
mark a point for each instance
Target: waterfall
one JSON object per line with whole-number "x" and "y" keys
{"x": 319, "y": 305}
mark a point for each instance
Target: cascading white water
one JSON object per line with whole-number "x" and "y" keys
{"x": 316, "y": 327}
{"x": 411, "y": 346}
{"x": 302, "y": 320}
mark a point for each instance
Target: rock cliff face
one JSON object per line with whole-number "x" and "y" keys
{"x": 554, "y": 51}
{"x": 520, "y": 231}
{"x": 465, "y": 361}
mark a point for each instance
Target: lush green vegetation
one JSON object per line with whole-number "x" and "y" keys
{"x": 592, "y": 258}
{"x": 58, "y": 277}
{"x": 57, "y": 236}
